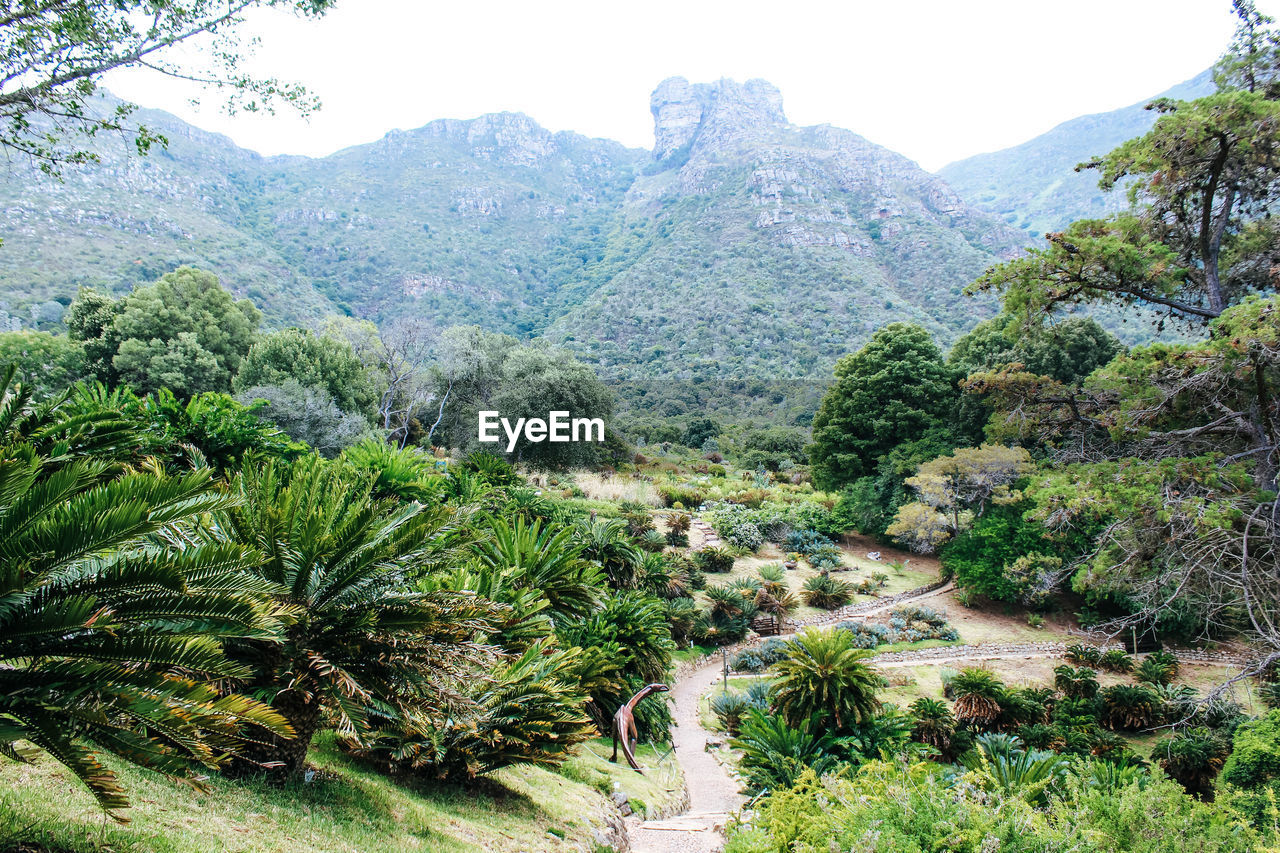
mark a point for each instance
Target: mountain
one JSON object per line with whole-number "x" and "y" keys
{"x": 741, "y": 246}
{"x": 1034, "y": 186}
{"x": 752, "y": 247}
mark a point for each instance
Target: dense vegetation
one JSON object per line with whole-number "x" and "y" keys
{"x": 1046, "y": 464}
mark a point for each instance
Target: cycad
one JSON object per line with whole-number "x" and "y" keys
{"x": 360, "y": 634}
{"x": 543, "y": 559}
{"x": 775, "y": 753}
{"x": 605, "y": 541}
{"x": 662, "y": 578}
{"x": 824, "y": 677}
{"x": 77, "y": 423}
{"x": 1000, "y": 764}
{"x": 405, "y": 473}
{"x": 1079, "y": 683}
{"x": 977, "y": 694}
{"x": 1130, "y": 707}
{"x": 1193, "y": 757}
{"x": 104, "y": 635}
{"x": 933, "y": 723}
{"x": 826, "y": 592}
{"x": 528, "y": 710}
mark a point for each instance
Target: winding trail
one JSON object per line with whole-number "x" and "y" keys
{"x": 713, "y": 794}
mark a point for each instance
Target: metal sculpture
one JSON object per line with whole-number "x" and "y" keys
{"x": 624, "y": 725}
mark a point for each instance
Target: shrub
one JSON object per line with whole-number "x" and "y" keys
{"x": 713, "y": 560}
{"x": 1116, "y": 660}
{"x": 826, "y": 556}
{"x": 804, "y": 541}
{"x": 1156, "y": 670}
{"x": 826, "y": 592}
{"x": 683, "y": 495}
{"x": 1082, "y": 655}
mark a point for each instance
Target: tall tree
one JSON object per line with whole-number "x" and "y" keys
{"x": 313, "y": 361}
{"x": 891, "y": 391}
{"x": 185, "y": 333}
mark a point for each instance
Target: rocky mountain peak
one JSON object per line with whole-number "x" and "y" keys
{"x": 682, "y": 109}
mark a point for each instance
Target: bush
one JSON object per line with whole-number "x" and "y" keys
{"x": 761, "y": 657}
{"x": 826, "y": 556}
{"x": 685, "y": 496}
{"x": 804, "y": 541}
{"x": 1082, "y": 655}
{"x": 826, "y": 592}
{"x": 1116, "y": 660}
{"x": 1255, "y": 757}
{"x": 713, "y": 560}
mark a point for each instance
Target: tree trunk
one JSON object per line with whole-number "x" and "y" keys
{"x": 283, "y": 757}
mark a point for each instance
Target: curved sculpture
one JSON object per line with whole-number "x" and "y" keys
{"x": 624, "y": 725}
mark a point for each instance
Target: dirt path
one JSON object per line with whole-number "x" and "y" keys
{"x": 713, "y": 795}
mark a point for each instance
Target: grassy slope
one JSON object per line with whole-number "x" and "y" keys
{"x": 346, "y": 808}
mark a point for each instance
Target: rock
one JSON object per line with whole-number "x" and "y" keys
{"x": 622, "y": 802}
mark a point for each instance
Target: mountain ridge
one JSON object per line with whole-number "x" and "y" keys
{"x": 1034, "y": 186}
{"x": 741, "y": 245}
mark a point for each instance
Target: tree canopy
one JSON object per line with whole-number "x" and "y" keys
{"x": 893, "y": 390}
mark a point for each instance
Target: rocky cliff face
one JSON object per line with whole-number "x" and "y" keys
{"x": 787, "y": 245}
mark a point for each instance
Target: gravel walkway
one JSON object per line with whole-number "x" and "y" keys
{"x": 712, "y": 794}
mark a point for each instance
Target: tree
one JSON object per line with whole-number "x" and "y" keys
{"x": 184, "y": 333}
{"x": 91, "y": 323}
{"x": 698, "y": 430}
{"x": 891, "y": 391}
{"x": 45, "y": 361}
{"x": 1199, "y": 238}
{"x": 825, "y": 678}
{"x": 307, "y": 414}
{"x": 53, "y": 54}
{"x": 536, "y": 380}
{"x": 465, "y": 369}
{"x": 966, "y": 480}
{"x": 105, "y": 639}
{"x": 312, "y": 361}
{"x": 360, "y": 636}
{"x": 1066, "y": 351}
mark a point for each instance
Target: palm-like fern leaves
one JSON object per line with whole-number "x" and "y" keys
{"x": 104, "y": 637}
{"x": 543, "y": 559}
{"x": 824, "y": 677}
{"x": 361, "y": 635}
{"x": 528, "y": 711}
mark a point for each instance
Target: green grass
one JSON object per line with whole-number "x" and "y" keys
{"x": 694, "y": 652}
{"x": 658, "y": 788}
{"x": 346, "y": 808}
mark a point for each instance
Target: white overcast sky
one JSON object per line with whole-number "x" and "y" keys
{"x": 936, "y": 80}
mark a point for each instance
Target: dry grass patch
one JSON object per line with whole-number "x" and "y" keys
{"x": 617, "y": 489}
